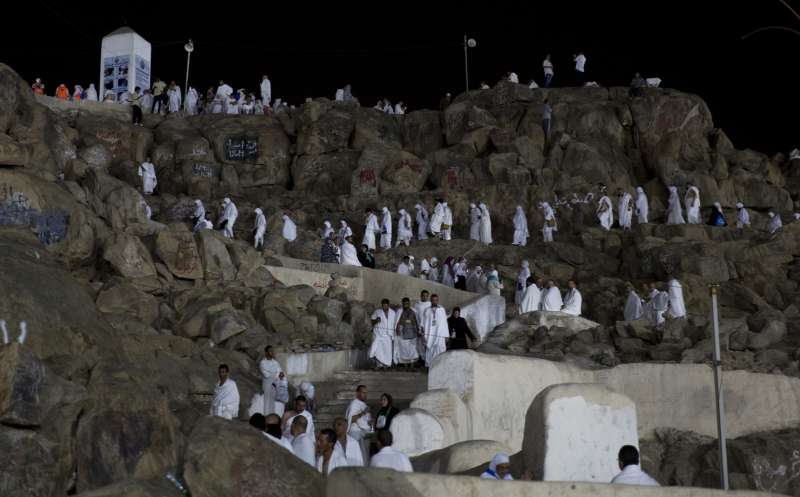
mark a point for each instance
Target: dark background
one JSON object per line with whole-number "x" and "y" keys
{"x": 412, "y": 51}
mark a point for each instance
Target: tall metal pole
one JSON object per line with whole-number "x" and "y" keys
{"x": 717, "y": 365}
{"x": 466, "y": 66}
{"x": 186, "y": 83}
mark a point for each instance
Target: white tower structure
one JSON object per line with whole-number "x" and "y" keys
{"x": 124, "y": 63}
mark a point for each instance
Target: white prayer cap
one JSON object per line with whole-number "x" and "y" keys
{"x": 739, "y": 205}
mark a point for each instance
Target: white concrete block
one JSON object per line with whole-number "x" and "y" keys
{"x": 416, "y": 431}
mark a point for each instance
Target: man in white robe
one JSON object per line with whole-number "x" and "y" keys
{"x": 328, "y": 459}
{"x": 388, "y": 457}
{"x": 359, "y": 419}
{"x": 422, "y": 222}
{"x": 274, "y": 433}
{"x": 226, "y": 395}
{"x": 266, "y": 91}
{"x": 434, "y": 330}
{"x": 386, "y": 229}
{"x": 406, "y": 268}
{"x": 625, "y": 210}
{"x": 486, "y": 225}
{"x": 383, "y": 324}
{"x": 175, "y": 98}
{"x": 549, "y": 226}
{"x": 437, "y": 219}
{"x": 521, "y": 233}
{"x": 259, "y": 229}
{"x": 532, "y": 298}
{"x": 191, "y": 101}
{"x": 270, "y": 368}
{"x": 522, "y": 283}
{"x": 447, "y": 222}
{"x": 199, "y": 213}
{"x": 147, "y": 172}
{"x": 573, "y": 300}
{"x": 289, "y": 231}
{"x": 349, "y": 254}
{"x": 344, "y": 230}
{"x": 692, "y": 201}
{"x": 659, "y": 304}
{"x": 633, "y": 306}
{"x": 91, "y": 93}
{"x": 474, "y": 223}
{"x": 423, "y": 303}
{"x": 303, "y": 441}
{"x": 551, "y": 299}
{"x": 642, "y": 206}
{"x": 347, "y": 446}
{"x": 299, "y": 410}
{"x": 435, "y": 270}
{"x": 499, "y": 468}
{"x": 228, "y": 219}
{"x": 742, "y": 216}
{"x": 371, "y": 228}
{"x": 405, "y": 232}
{"x": 775, "y": 223}
{"x": 674, "y": 212}
{"x": 605, "y": 213}
{"x": 677, "y": 307}
{"x": 632, "y": 474}
{"x": 327, "y": 230}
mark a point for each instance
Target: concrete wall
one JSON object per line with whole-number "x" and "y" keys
{"x": 498, "y": 390}
{"x": 319, "y": 366}
{"x": 366, "y": 482}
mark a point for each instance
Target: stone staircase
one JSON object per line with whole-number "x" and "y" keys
{"x": 334, "y": 395}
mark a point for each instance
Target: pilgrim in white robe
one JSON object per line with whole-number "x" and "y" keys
{"x": 448, "y": 275}
{"x": 674, "y": 213}
{"x": 174, "y": 95}
{"x": 382, "y": 348}
{"x": 370, "y": 230}
{"x": 344, "y": 231}
{"x": 605, "y": 213}
{"x": 522, "y": 282}
{"x": 270, "y": 369}
{"x": 148, "y": 174}
{"x": 405, "y": 231}
{"x": 437, "y": 219}
{"x": 520, "y": 228}
{"x": 226, "y": 400}
{"x": 260, "y": 229}
{"x": 550, "y": 225}
{"x": 486, "y": 225}
{"x": 352, "y": 453}
{"x": 775, "y": 223}
{"x": 474, "y": 223}
{"x": 405, "y": 269}
{"x": 633, "y": 307}
{"x": 305, "y": 449}
{"x": 349, "y": 254}
{"x": 386, "y": 229}
{"x": 91, "y": 93}
{"x": 531, "y": 300}
{"x": 229, "y": 215}
{"x": 692, "y": 202}
{"x": 337, "y": 460}
{"x": 327, "y": 230}
{"x": 289, "y": 229}
{"x": 391, "y": 458}
{"x": 677, "y": 307}
{"x": 572, "y": 302}
{"x": 491, "y": 473}
{"x": 435, "y": 332}
{"x": 551, "y": 299}
{"x": 266, "y": 91}
{"x": 191, "y": 101}
{"x": 359, "y": 428}
{"x": 658, "y": 305}
{"x": 447, "y": 223}
{"x": 742, "y": 216}
{"x": 625, "y": 211}
{"x": 422, "y": 222}
{"x": 287, "y": 431}
{"x": 642, "y": 206}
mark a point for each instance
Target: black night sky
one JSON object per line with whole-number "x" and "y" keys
{"x": 412, "y": 51}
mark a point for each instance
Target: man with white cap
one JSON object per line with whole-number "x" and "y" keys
{"x": 229, "y": 215}
{"x": 260, "y": 229}
{"x": 498, "y": 468}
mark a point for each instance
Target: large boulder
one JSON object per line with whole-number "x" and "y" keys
{"x": 326, "y": 174}
{"x": 325, "y": 128}
{"x": 460, "y": 457}
{"x": 176, "y": 247}
{"x": 123, "y": 298}
{"x": 217, "y": 264}
{"x": 422, "y": 132}
{"x": 253, "y": 466}
{"x": 375, "y": 126}
{"x": 128, "y": 256}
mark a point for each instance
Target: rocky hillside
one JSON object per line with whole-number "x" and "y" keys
{"x": 123, "y": 311}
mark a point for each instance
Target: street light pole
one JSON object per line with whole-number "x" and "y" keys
{"x": 189, "y": 47}
{"x": 468, "y": 43}
{"x": 717, "y": 365}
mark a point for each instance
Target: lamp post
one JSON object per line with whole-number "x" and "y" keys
{"x": 468, "y": 43}
{"x": 717, "y": 365}
{"x": 189, "y": 47}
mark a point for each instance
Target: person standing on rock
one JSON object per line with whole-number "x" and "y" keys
{"x": 136, "y": 107}
{"x": 388, "y": 457}
{"x": 226, "y": 395}
{"x": 692, "y": 201}
{"x": 512, "y": 77}
{"x": 303, "y": 441}
{"x": 459, "y": 331}
{"x": 400, "y": 109}
{"x": 386, "y": 229}
{"x": 405, "y": 231}
{"x": 347, "y": 447}
{"x": 359, "y": 419}
{"x": 447, "y": 222}
{"x": 547, "y": 118}
{"x": 580, "y": 68}
{"x": 521, "y": 233}
{"x": 474, "y": 223}
{"x": 493, "y": 284}
{"x": 199, "y": 213}
{"x": 289, "y": 231}
{"x": 383, "y": 325}
{"x": 407, "y": 333}
{"x": 259, "y": 230}
{"x": 344, "y": 230}
{"x": 299, "y": 411}
{"x": 191, "y": 101}
{"x": 532, "y": 298}
{"x": 659, "y": 304}
{"x": 460, "y": 274}
{"x": 327, "y": 458}
{"x": 91, "y": 93}
{"x": 349, "y": 253}
{"x": 175, "y": 98}
{"x": 674, "y": 212}
{"x": 605, "y": 212}
{"x": 717, "y": 216}
{"x": 38, "y": 87}
{"x": 573, "y": 300}
{"x": 625, "y": 210}
{"x": 742, "y": 216}
{"x": 148, "y": 174}
{"x": 437, "y": 219}
{"x": 547, "y": 66}
{"x": 522, "y": 283}
{"x": 775, "y": 223}
{"x": 474, "y": 280}
{"x": 406, "y": 268}
{"x": 499, "y": 468}
{"x": 422, "y": 222}
{"x": 371, "y": 228}
{"x": 549, "y": 226}
{"x": 159, "y": 96}
{"x": 435, "y": 331}
{"x": 677, "y": 307}
{"x": 229, "y": 215}
{"x": 327, "y": 230}
{"x": 632, "y": 474}
{"x": 434, "y": 271}
{"x": 633, "y": 305}
{"x": 266, "y": 91}
{"x": 551, "y": 299}
{"x": 270, "y": 368}
{"x": 448, "y": 272}
{"x": 642, "y": 206}
{"x": 486, "y": 225}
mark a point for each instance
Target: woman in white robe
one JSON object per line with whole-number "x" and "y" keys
{"x": 742, "y": 216}
{"x": 349, "y": 254}
{"x": 448, "y": 272}
{"x": 289, "y": 229}
{"x": 404, "y": 229}
{"x": 370, "y": 230}
{"x": 522, "y": 282}
{"x": 605, "y": 212}
{"x": 674, "y": 213}
{"x": 191, "y": 101}
{"x": 775, "y": 223}
{"x": 386, "y": 229}
{"x": 260, "y": 228}
{"x": 383, "y": 325}
{"x": 422, "y": 222}
{"x": 474, "y": 223}
{"x": 625, "y": 211}
{"x": 486, "y": 225}
{"x": 532, "y": 299}
{"x": 550, "y": 225}
{"x": 148, "y": 174}
{"x": 521, "y": 233}
{"x": 633, "y": 306}
{"x": 494, "y": 473}
{"x": 677, "y": 307}
{"x": 327, "y": 230}
{"x": 174, "y": 95}
{"x": 437, "y": 219}
{"x": 692, "y": 202}
{"x": 642, "y": 206}
{"x": 344, "y": 230}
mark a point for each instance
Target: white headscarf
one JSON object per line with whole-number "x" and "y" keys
{"x": 289, "y": 229}
{"x": 499, "y": 459}
{"x": 520, "y": 221}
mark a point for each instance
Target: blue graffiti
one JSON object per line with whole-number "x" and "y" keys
{"x": 50, "y": 225}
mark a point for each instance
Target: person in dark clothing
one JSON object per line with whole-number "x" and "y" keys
{"x": 717, "y": 216}
{"x": 365, "y": 257}
{"x": 637, "y": 83}
{"x": 136, "y": 106}
{"x": 387, "y": 412}
{"x": 330, "y": 253}
{"x": 459, "y": 331}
